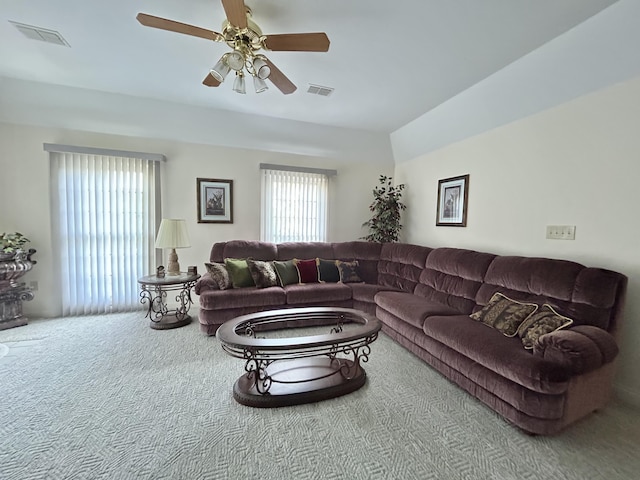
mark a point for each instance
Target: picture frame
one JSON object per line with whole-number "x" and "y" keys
{"x": 215, "y": 200}
{"x": 453, "y": 197}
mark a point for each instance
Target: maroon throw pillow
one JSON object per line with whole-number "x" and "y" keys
{"x": 307, "y": 270}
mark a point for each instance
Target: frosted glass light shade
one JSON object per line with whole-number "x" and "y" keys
{"x": 261, "y": 67}
{"x": 238, "y": 84}
{"x": 220, "y": 70}
{"x": 235, "y": 60}
{"x": 259, "y": 85}
{"x": 172, "y": 234}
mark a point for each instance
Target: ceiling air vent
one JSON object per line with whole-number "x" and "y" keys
{"x": 42, "y": 34}
{"x": 319, "y": 90}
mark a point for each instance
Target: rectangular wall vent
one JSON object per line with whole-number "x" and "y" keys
{"x": 42, "y": 34}
{"x": 319, "y": 90}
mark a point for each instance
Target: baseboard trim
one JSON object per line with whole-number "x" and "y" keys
{"x": 627, "y": 395}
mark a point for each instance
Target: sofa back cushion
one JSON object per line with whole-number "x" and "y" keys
{"x": 304, "y": 250}
{"x": 367, "y": 254}
{"x": 401, "y": 264}
{"x": 590, "y": 296}
{"x": 243, "y": 249}
{"x": 453, "y": 276}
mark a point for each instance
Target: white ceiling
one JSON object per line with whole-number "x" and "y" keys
{"x": 390, "y": 61}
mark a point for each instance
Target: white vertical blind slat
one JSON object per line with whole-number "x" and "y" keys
{"x": 293, "y": 206}
{"x": 104, "y": 210}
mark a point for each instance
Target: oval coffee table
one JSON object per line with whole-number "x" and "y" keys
{"x": 299, "y": 369}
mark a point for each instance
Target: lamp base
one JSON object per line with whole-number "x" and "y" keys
{"x": 173, "y": 267}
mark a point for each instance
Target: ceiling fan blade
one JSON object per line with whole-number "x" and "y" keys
{"x": 236, "y": 12}
{"x": 210, "y": 81}
{"x": 173, "y": 26}
{"x": 298, "y": 42}
{"x": 279, "y": 79}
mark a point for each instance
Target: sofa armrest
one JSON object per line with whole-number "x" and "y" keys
{"x": 204, "y": 283}
{"x": 580, "y": 349}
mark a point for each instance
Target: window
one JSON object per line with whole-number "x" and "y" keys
{"x": 294, "y": 204}
{"x": 104, "y": 224}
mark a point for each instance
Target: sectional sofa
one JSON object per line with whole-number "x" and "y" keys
{"x": 456, "y": 309}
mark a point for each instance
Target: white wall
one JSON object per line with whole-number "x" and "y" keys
{"x": 576, "y": 164}
{"x": 597, "y": 53}
{"x": 24, "y": 193}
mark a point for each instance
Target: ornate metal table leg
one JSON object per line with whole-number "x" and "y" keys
{"x": 157, "y": 308}
{"x": 184, "y": 299}
{"x": 257, "y": 372}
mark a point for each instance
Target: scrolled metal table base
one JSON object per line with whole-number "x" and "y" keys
{"x": 281, "y": 372}
{"x": 153, "y": 292}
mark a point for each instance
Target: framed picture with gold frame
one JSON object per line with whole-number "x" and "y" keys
{"x": 215, "y": 200}
{"x": 453, "y": 196}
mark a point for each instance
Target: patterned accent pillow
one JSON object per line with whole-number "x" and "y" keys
{"x": 239, "y": 273}
{"x": 545, "y": 320}
{"x": 263, "y": 273}
{"x": 327, "y": 271}
{"x": 307, "y": 270}
{"x": 287, "y": 273}
{"x": 348, "y": 271}
{"x": 504, "y": 314}
{"x": 219, "y": 274}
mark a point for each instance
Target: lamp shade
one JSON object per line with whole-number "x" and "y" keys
{"x": 172, "y": 234}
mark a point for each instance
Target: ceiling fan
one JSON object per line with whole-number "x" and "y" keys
{"x": 246, "y": 39}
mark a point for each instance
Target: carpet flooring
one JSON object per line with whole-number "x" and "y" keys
{"x": 106, "y": 397}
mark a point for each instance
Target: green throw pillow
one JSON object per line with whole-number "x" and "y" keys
{"x": 239, "y": 273}
{"x": 287, "y": 272}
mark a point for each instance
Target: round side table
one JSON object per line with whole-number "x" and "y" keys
{"x": 154, "y": 289}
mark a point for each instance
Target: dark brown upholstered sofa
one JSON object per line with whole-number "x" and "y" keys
{"x": 424, "y": 297}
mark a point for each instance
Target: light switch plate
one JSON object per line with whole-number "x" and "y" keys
{"x": 561, "y": 232}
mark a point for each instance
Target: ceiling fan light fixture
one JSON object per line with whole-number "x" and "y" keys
{"x": 235, "y": 60}
{"x": 261, "y": 67}
{"x": 238, "y": 84}
{"x": 221, "y": 69}
{"x": 259, "y": 84}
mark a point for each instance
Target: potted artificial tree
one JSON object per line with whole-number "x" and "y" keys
{"x": 384, "y": 226}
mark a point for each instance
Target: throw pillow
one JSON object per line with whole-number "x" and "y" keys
{"x": 263, "y": 273}
{"x": 287, "y": 273}
{"x": 219, "y": 274}
{"x": 327, "y": 271}
{"x": 504, "y": 314}
{"x": 545, "y": 320}
{"x": 239, "y": 273}
{"x": 348, "y": 271}
{"x": 307, "y": 270}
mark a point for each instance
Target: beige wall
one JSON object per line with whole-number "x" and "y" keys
{"x": 24, "y": 193}
{"x": 576, "y": 164}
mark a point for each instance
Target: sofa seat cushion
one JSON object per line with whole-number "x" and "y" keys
{"x": 411, "y": 308}
{"x": 502, "y": 355}
{"x": 316, "y": 293}
{"x": 365, "y": 292}
{"x": 242, "y": 297}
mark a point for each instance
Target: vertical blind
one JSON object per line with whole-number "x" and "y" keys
{"x": 294, "y": 206}
{"x": 104, "y": 223}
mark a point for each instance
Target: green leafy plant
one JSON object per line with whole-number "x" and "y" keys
{"x": 384, "y": 225}
{"x": 12, "y": 242}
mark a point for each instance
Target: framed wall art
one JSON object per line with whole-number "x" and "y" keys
{"x": 452, "y": 201}
{"x": 215, "y": 200}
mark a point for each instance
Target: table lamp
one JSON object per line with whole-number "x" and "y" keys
{"x": 172, "y": 234}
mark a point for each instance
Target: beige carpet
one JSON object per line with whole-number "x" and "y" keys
{"x": 106, "y": 397}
